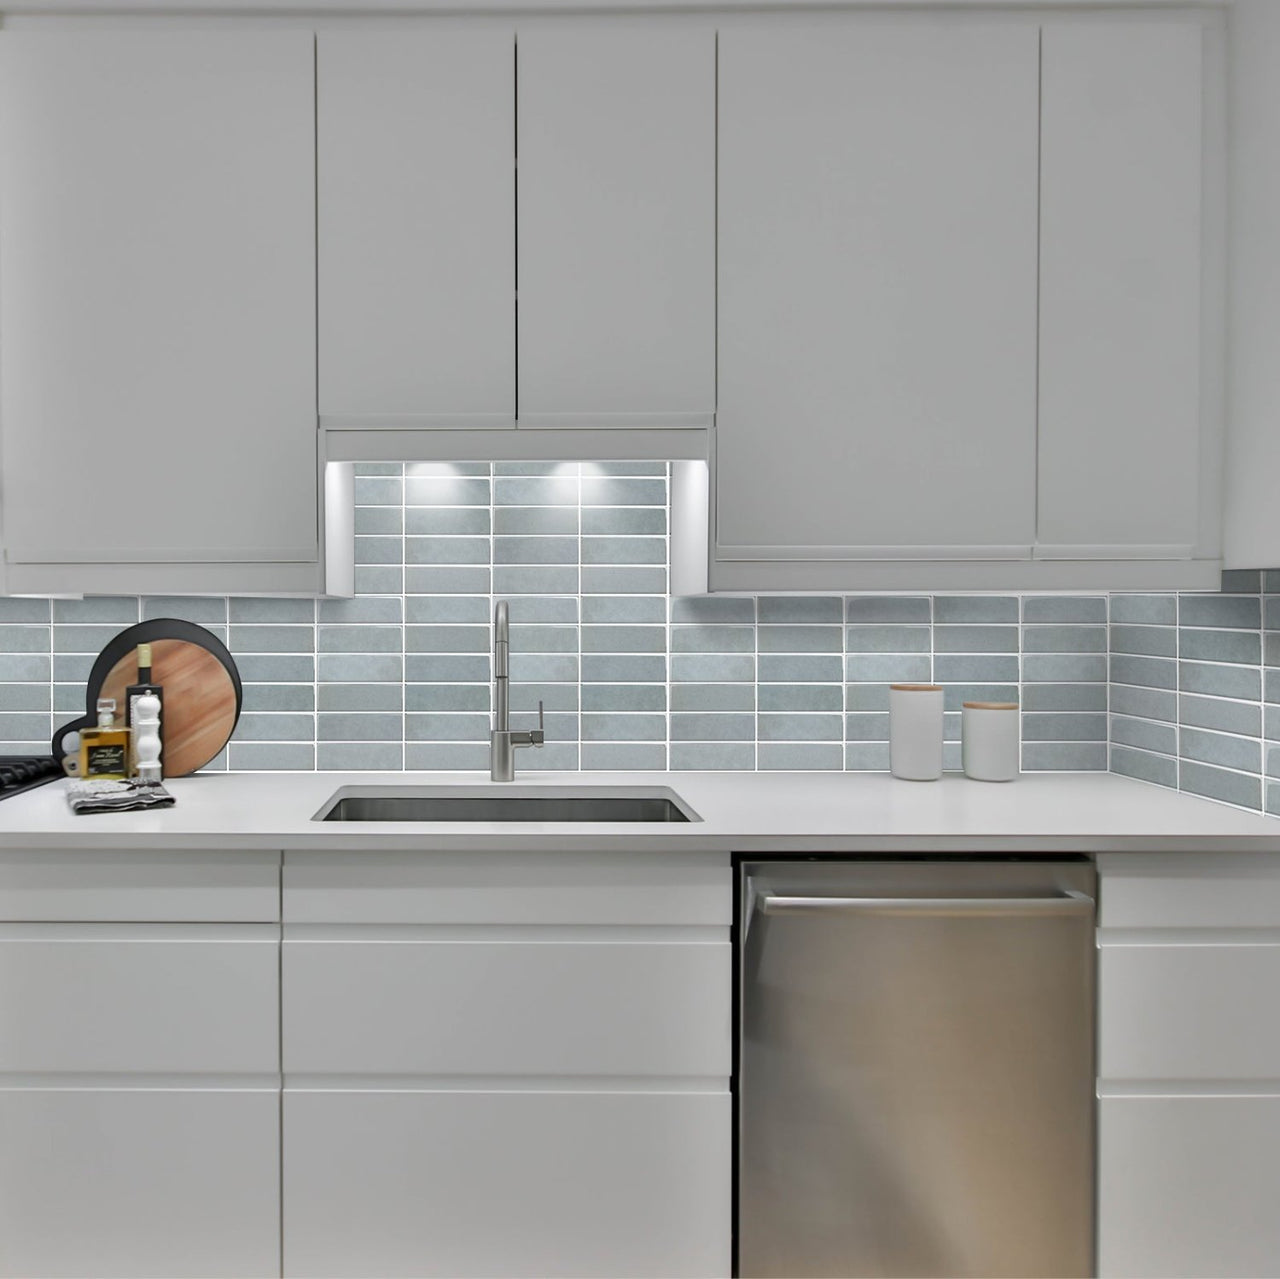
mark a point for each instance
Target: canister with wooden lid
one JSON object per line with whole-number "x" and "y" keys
{"x": 915, "y": 731}
{"x": 990, "y": 739}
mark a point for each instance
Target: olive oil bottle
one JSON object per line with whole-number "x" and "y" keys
{"x": 104, "y": 751}
{"x": 143, "y": 686}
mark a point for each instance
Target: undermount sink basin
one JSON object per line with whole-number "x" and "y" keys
{"x": 481, "y": 804}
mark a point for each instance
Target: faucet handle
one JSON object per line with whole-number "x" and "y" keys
{"x": 537, "y": 736}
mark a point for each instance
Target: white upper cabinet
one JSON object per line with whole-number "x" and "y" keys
{"x": 616, "y": 220}
{"x": 949, "y": 287}
{"x": 606, "y": 234}
{"x": 416, "y": 145}
{"x": 1251, "y": 532}
{"x": 157, "y": 252}
{"x": 1120, "y": 291}
{"x": 970, "y": 326}
{"x": 877, "y": 292}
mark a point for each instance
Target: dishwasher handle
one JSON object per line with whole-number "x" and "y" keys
{"x": 1068, "y": 902}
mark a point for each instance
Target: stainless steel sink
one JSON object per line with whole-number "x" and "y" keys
{"x": 485, "y": 804}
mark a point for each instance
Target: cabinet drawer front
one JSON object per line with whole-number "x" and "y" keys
{"x": 147, "y": 998}
{"x": 1188, "y": 1186}
{"x": 507, "y": 888}
{"x": 139, "y": 1184}
{"x": 1219, "y": 890}
{"x": 509, "y": 1008}
{"x": 461, "y": 1184}
{"x": 129, "y": 886}
{"x": 1188, "y": 1012}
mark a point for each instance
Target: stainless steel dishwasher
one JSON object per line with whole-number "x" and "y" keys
{"x": 916, "y": 1069}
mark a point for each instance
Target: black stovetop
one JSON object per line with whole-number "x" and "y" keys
{"x": 25, "y": 772}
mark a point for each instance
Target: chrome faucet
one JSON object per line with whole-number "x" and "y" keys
{"x": 502, "y": 741}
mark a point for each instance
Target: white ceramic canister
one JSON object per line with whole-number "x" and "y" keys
{"x": 915, "y": 731}
{"x": 989, "y": 740}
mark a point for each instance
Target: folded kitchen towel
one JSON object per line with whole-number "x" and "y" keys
{"x": 89, "y": 796}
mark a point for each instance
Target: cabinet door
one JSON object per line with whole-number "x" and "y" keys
{"x": 616, "y": 223}
{"x": 1189, "y": 1056}
{"x": 139, "y": 1184}
{"x": 157, "y": 253}
{"x": 1120, "y": 263}
{"x": 486, "y": 1183}
{"x": 1187, "y": 1186}
{"x": 416, "y": 144}
{"x": 877, "y": 290}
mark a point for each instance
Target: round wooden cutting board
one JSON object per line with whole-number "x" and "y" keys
{"x": 200, "y": 702}
{"x": 202, "y": 692}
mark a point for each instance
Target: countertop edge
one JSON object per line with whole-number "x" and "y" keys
{"x": 753, "y": 814}
{"x": 557, "y": 841}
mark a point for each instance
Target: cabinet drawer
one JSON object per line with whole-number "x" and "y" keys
{"x": 1188, "y": 1012}
{"x": 507, "y": 888}
{"x": 481, "y": 1183}
{"x": 1211, "y": 890}
{"x": 511, "y": 1008}
{"x": 149, "y": 997}
{"x": 129, "y": 886}
{"x": 139, "y": 1184}
{"x": 1188, "y": 1186}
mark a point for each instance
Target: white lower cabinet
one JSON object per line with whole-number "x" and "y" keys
{"x": 139, "y": 1066}
{"x": 1193, "y": 1012}
{"x": 503, "y": 1065}
{"x": 494, "y": 1064}
{"x": 514, "y": 1008}
{"x": 531, "y": 1181}
{"x": 513, "y": 1065}
{"x": 129, "y": 999}
{"x": 1189, "y": 1067}
{"x": 1189, "y": 1186}
{"x": 139, "y": 1182}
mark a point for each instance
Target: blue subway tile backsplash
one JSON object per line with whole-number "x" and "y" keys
{"x": 1188, "y": 688}
{"x": 1177, "y": 689}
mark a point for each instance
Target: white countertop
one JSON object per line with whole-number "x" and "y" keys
{"x": 740, "y": 812}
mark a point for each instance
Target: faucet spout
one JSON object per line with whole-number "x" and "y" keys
{"x": 502, "y": 740}
{"x": 501, "y": 667}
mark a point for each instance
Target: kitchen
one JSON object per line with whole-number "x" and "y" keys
{"x": 576, "y": 311}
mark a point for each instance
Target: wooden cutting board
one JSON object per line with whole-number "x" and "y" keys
{"x": 200, "y": 702}
{"x": 202, "y": 692}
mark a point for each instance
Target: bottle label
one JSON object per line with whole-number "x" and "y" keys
{"x": 106, "y": 760}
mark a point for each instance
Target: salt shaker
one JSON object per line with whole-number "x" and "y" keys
{"x": 146, "y": 727}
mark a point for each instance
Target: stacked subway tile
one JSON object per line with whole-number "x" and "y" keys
{"x": 1195, "y": 690}
{"x": 399, "y": 676}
